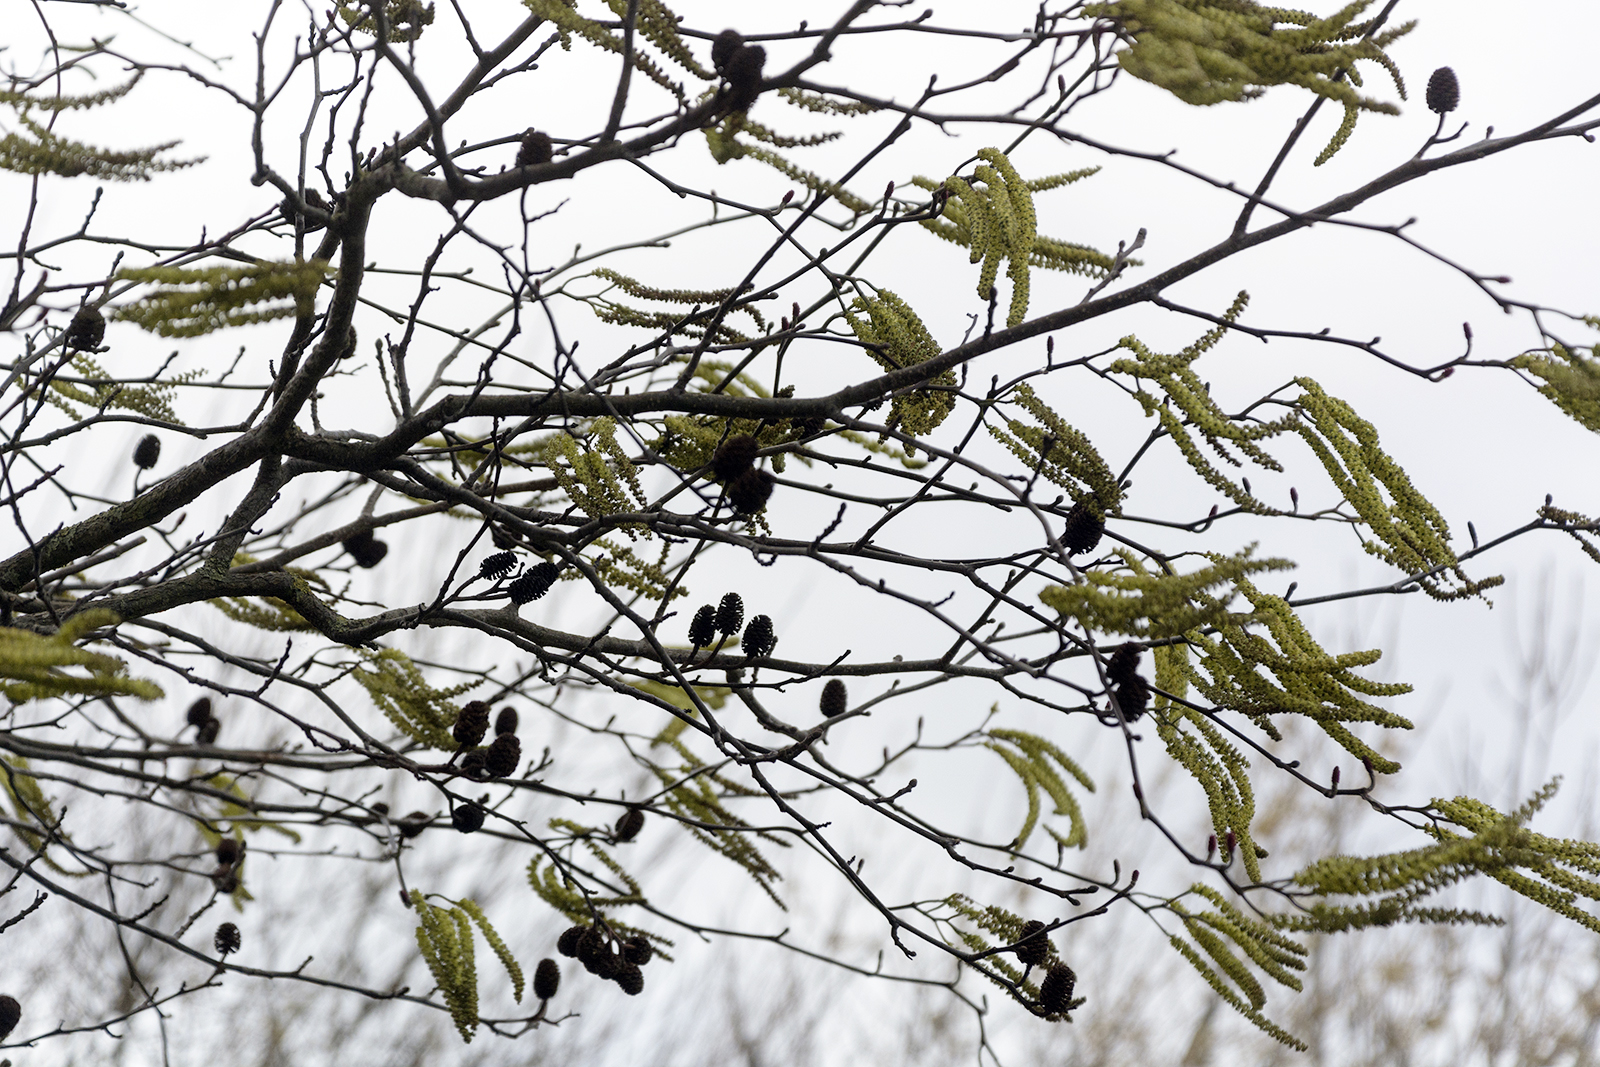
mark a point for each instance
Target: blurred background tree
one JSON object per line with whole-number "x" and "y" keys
{"x": 598, "y": 530}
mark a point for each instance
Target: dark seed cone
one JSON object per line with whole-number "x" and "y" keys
{"x": 1444, "y": 91}
{"x": 723, "y": 47}
{"x": 497, "y": 566}
{"x": 734, "y": 456}
{"x": 534, "y": 584}
{"x": 546, "y": 979}
{"x": 629, "y": 825}
{"x": 750, "y": 491}
{"x": 759, "y": 640}
{"x": 475, "y": 764}
{"x": 199, "y": 711}
{"x": 366, "y": 549}
{"x": 630, "y": 978}
{"x": 1033, "y": 948}
{"x": 637, "y": 950}
{"x": 226, "y": 939}
{"x": 1133, "y": 699}
{"x": 413, "y": 824}
{"x": 506, "y": 721}
{"x": 592, "y": 948}
{"x": 567, "y": 943}
{"x": 743, "y": 72}
{"x": 1055, "y": 992}
{"x": 86, "y": 330}
{"x": 534, "y": 149}
{"x": 208, "y": 732}
{"x": 229, "y": 849}
{"x": 503, "y": 756}
{"x": 467, "y": 818}
{"x": 313, "y": 198}
{"x": 835, "y": 700}
{"x": 703, "y": 630}
{"x": 1082, "y": 529}
{"x": 10, "y": 1013}
{"x": 226, "y": 879}
{"x": 147, "y": 451}
{"x": 730, "y": 614}
{"x": 472, "y": 722}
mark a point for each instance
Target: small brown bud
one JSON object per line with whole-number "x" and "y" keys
{"x": 1055, "y": 992}
{"x": 472, "y": 722}
{"x": 199, "y": 712}
{"x": 637, "y": 950}
{"x": 759, "y": 640}
{"x": 226, "y": 939}
{"x": 734, "y": 456}
{"x": 147, "y": 452}
{"x": 535, "y": 149}
{"x": 750, "y": 491}
{"x": 366, "y": 549}
{"x": 567, "y": 943}
{"x": 506, "y": 721}
{"x": 10, "y": 1015}
{"x": 629, "y": 825}
{"x": 86, "y": 330}
{"x": 503, "y": 756}
{"x": 835, "y": 699}
{"x": 630, "y": 978}
{"x": 546, "y": 979}
{"x": 1033, "y": 948}
{"x": 730, "y": 614}
{"x": 1444, "y": 91}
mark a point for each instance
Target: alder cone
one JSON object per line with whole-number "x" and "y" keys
{"x": 750, "y": 491}
{"x": 147, "y": 451}
{"x": 534, "y": 149}
{"x": 629, "y": 825}
{"x": 472, "y": 722}
{"x": 591, "y": 948}
{"x": 467, "y": 818}
{"x": 1123, "y": 666}
{"x": 835, "y": 699}
{"x": 743, "y": 72}
{"x": 703, "y": 629}
{"x": 497, "y": 566}
{"x": 199, "y": 712}
{"x": 86, "y": 330}
{"x": 630, "y": 978}
{"x": 1444, "y": 91}
{"x": 1082, "y": 530}
{"x": 567, "y": 943}
{"x": 546, "y": 979}
{"x": 506, "y": 721}
{"x": 226, "y": 939}
{"x": 1033, "y": 948}
{"x": 209, "y": 729}
{"x": 475, "y": 764}
{"x": 366, "y": 549}
{"x": 734, "y": 456}
{"x": 413, "y": 824}
{"x": 534, "y": 584}
{"x": 723, "y": 47}
{"x": 503, "y": 756}
{"x": 229, "y": 850}
{"x": 759, "y": 640}
{"x": 637, "y": 950}
{"x": 730, "y": 614}
{"x": 1055, "y": 992}
{"x": 10, "y": 1014}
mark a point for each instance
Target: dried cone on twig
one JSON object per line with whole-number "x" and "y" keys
{"x": 1083, "y": 528}
{"x": 413, "y": 824}
{"x": 1444, "y": 91}
{"x": 209, "y": 729}
{"x": 503, "y": 756}
{"x": 366, "y": 549}
{"x": 467, "y": 818}
{"x": 147, "y": 452}
{"x": 199, "y": 712}
{"x": 630, "y": 978}
{"x": 759, "y": 640}
{"x": 629, "y": 825}
{"x": 1055, "y": 992}
{"x": 10, "y": 1014}
{"x": 567, "y": 943}
{"x": 835, "y": 699}
{"x": 86, "y": 330}
{"x": 534, "y": 584}
{"x": 637, "y": 950}
{"x": 546, "y": 979}
{"x": 534, "y": 149}
{"x": 734, "y": 456}
{"x": 723, "y": 47}
{"x": 1132, "y": 691}
{"x": 1033, "y": 948}
{"x": 497, "y": 566}
{"x": 229, "y": 850}
{"x": 475, "y": 764}
{"x": 750, "y": 491}
{"x": 226, "y": 939}
{"x": 472, "y": 722}
{"x": 592, "y": 949}
{"x": 743, "y": 71}
{"x": 730, "y": 614}
{"x": 703, "y": 629}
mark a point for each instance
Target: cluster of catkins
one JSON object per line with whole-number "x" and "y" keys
{"x": 592, "y": 947}
{"x": 1131, "y": 691}
{"x": 1033, "y": 949}
{"x": 500, "y": 758}
{"x": 734, "y": 463}
{"x": 206, "y": 724}
{"x": 725, "y": 619}
{"x": 740, "y": 66}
